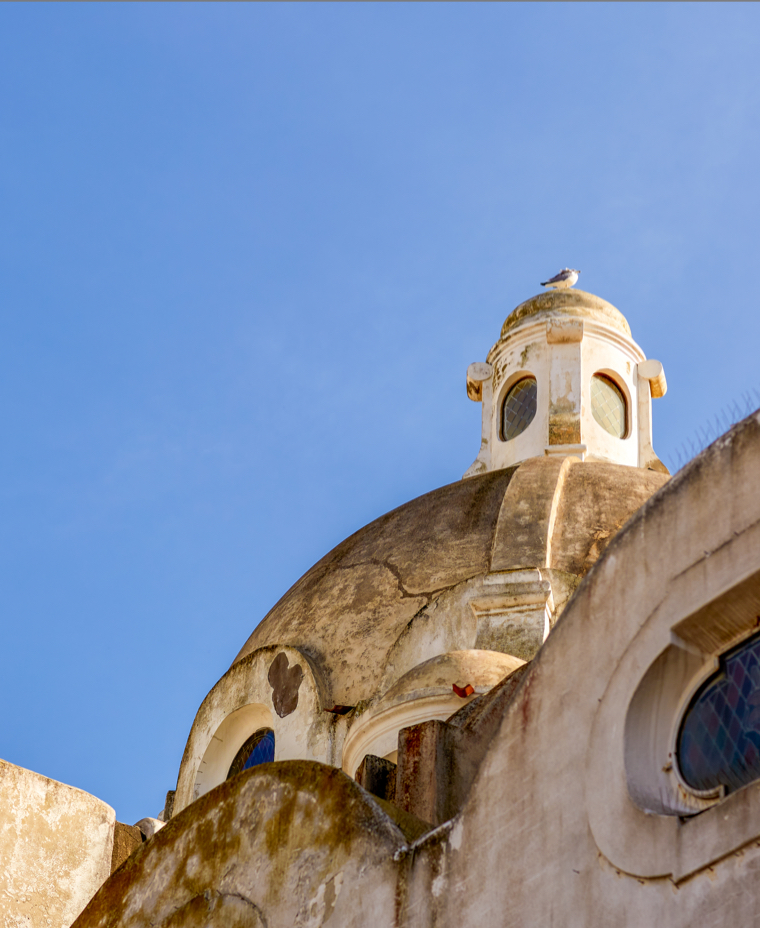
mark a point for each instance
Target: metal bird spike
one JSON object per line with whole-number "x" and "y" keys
{"x": 724, "y": 420}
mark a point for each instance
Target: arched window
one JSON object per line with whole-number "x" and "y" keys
{"x": 719, "y": 738}
{"x": 519, "y": 408}
{"x": 608, "y": 405}
{"x": 258, "y": 749}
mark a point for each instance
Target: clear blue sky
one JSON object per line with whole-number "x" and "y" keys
{"x": 248, "y": 252}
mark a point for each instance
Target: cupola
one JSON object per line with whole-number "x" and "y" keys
{"x": 566, "y": 378}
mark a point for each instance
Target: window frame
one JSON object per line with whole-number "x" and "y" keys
{"x": 507, "y": 392}
{"x": 710, "y": 670}
{"x": 263, "y": 732}
{"x": 617, "y": 382}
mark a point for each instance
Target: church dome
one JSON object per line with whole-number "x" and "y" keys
{"x": 479, "y": 669}
{"x": 568, "y": 303}
{"x": 465, "y": 581}
{"x": 412, "y": 581}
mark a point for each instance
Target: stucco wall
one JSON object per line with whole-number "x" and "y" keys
{"x": 55, "y": 849}
{"x": 551, "y": 833}
{"x": 275, "y": 846}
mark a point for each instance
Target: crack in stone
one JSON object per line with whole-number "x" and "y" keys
{"x": 427, "y": 595}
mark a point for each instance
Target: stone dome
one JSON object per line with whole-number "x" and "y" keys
{"x": 479, "y": 669}
{"x": 417, "y": 582}
{"x": 464, "y": 582}
{"x": 567, "y": 303}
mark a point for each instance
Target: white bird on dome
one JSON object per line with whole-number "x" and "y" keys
{"x": 566, "y": 278}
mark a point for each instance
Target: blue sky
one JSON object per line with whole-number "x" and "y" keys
{"x": 248, "y": 252}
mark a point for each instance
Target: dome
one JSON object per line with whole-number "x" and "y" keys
{"x": 567, "y": 303}
{"x": 428, "y": 577}
{"x": 459, "y": 587}
{"x": 479, "y": 669}
{"x": 425, "y": 692}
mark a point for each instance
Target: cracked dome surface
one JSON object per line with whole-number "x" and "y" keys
{"x": 349, "y": 609}
{"x": 347, "y": 612}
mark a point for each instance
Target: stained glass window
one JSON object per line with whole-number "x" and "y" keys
{"x": 258, "y": 749}
{"x": 719, "y": 740}
{"x": 519, "y": 408}
{"x": 608, "y": 405}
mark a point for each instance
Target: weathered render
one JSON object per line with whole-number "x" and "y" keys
{"x": 484, "y": 564}
{"x": 551, "y": 832}
{"x": 474, "y": 703}
{"x": 589, "y": 852}
{"x": 55, "y": 848}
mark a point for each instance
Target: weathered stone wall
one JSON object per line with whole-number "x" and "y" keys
{"x": 274, "y": 846}
{"x": 552, "y": 832}
{"x": 55, "y": 849}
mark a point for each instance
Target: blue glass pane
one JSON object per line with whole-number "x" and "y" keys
{"x": 258, "y": 749}
{"x": 262, "y": 753}
{"x": 719, "y": 741}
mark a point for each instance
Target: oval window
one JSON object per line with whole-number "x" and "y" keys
{"x": 519, "y": 408}
{"x": 719, "y": 740}
{"x": 258, "y": 749}
{"x": 608, "y": 405}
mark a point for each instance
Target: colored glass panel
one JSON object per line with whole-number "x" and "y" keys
{"x": 719, "y": 741}
{"x": 608, "y": 405}
{"x": 258, "y": 749}
{"x": 519, "y": 408}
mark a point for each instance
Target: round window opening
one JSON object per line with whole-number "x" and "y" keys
{"x": 258, "y": 749}
{"x": 719, "y": 739}
{"x": 608, "y": 405}
{"x": 519, "y": 408}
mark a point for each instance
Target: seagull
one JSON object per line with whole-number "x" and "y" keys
{"x": 566, "y": 278}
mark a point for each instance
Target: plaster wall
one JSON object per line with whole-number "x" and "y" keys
{"x": 563, "y": 360}
{"x": 276, "y": 846}
{"x": 245, "y": 700}
{"x": 55, "y": 849}
{"x": 553, "y": 833}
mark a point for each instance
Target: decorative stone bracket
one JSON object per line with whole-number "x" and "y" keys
{"x": 517, "y": 615}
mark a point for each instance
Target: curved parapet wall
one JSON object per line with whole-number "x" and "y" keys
{"x": 607, "y": 823}
{"x": 275, "y": 846}
{"x": 56, "y": 844}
